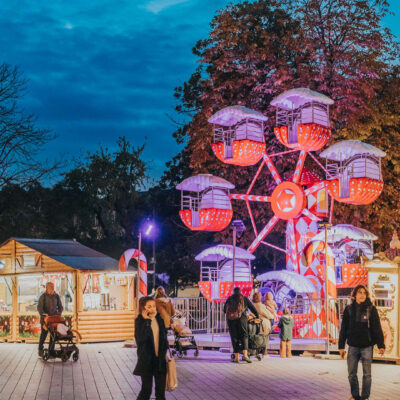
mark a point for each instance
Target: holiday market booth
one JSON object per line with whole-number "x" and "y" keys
{"x": 97, "y": 297}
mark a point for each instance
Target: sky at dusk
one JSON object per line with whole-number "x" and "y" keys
{"x": 102, "y": 69}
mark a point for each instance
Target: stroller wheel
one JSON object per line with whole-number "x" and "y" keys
{"x": 180, "y": 354}
{"x": 75, "y": 356}
{"x": 64, "y": 357}
{"x": 46, "y": 355}
{"x": 196, "y": 353}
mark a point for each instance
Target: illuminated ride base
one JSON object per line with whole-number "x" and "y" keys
{"x": 303, "y": 125}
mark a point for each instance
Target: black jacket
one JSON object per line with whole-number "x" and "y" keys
{"x": 49, "y": 304}
{"x": 247, "y": 305}
{"x": 147, "y": 362}
{"x": 361, "y": 326}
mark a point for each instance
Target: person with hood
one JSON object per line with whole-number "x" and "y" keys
{"x": 361, "y": 329}
{"x": 266, "y": 316}
{"x": 286, "y": 326}
{"x": 152, "y": 345}
{"x": 164, "y": 306}
{"x": 235, "y": 310}
{"x": 49, "y": 304}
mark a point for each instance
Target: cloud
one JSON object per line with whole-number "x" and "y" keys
{"x": 109, "y": 71}
{"x": 155, "y": 6}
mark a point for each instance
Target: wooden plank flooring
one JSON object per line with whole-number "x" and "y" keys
{"x": 104, "y": 372}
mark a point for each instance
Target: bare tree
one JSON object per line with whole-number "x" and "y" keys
{"x": 20, "y": 140}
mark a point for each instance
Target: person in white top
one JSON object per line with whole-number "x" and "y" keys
{"x": 265, "y": 315}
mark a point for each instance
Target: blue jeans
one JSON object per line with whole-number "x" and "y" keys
{"x": 354, "y": 356}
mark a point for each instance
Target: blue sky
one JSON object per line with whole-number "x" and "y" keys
{"x": 101, "y": 69}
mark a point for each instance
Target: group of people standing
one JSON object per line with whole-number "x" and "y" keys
{"x": 237, "y": 309}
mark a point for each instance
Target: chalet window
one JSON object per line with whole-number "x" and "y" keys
{"x": 5, "y": 295}
{"x": 106, "y": 291}
{"x": 29, "y": 261}
{"x": 31, "y": 287}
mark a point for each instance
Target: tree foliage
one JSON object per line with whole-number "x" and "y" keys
{"x": 20, "y": 140}
{"x": 256, "y": 50}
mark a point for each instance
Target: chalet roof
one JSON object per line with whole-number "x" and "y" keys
{"x": 71, "y": 253}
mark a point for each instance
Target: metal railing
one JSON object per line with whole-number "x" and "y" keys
{"x": 203, "y": 316}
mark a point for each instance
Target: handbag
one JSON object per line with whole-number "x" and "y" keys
{"x": 171, "y": 379}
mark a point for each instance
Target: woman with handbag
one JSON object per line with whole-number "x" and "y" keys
{"x": 152, "y": 346}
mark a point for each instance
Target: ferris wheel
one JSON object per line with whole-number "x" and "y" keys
{"x": 352, "y": 172}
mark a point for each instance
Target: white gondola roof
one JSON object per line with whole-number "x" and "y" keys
{"x": 345, "y": 149}
{"x": 295, "y": 98}
{"x": 222, "y": 252}
{"x": 295, "y": 281}
{"x": 200, "y": 182}
{"x": 343, "y": 231}
{"x": 230, "y": 116}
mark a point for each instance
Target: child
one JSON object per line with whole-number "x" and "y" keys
{"x": 286, "y": 326}
{"x": 271, "y": 306}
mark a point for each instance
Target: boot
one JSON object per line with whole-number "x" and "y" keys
{"x": 289, "y": 348}
{"x": 40, "y": 352}
{"x": 283, "y": 348}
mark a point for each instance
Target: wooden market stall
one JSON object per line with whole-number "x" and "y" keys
{"x": 98, "y": 299}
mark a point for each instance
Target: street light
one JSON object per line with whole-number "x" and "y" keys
{"x": 148, "y": 228}
{"x": 238, "y": 227}
{"x": 325, "y": 226}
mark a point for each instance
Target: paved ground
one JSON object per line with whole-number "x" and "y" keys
{"x": 104, "y": 372}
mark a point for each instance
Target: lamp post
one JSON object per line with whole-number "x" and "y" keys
{"x": 138, "y": 271}
{"x": 148, "y": 229}
{"x": 238, "y": 228}
{"x": 325, "y": 226}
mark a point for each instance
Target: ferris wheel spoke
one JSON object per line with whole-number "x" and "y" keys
{"x": 310, "y": 215}
{"x": 292, "y": 249}
{"x": 255, "y": 177}
{"x": 251, "y": 218}
{"x": 299, "y": 166}
{"x": 273, "y": 170}
{"x": 331, "y": 210}
{"x": 267, "y": 228}
{"x": 314, "y": 188}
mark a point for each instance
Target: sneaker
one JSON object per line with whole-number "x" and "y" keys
{"x": 247, "y": 359}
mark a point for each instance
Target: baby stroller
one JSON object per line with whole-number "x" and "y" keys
{"x": 184, "y": 338}
{"x": 257, "y": 340}
{"x": 60, "y": 335}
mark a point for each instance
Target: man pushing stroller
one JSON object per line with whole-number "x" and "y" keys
{"x": 49, "y": 304}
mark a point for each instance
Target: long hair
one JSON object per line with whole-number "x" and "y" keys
{"x": 142, "y": 303}
{"x": 356, "y": 289}
{"x": 160, "y": 292}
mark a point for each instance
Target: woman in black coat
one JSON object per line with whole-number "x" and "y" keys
{"x": 152, "y": 346}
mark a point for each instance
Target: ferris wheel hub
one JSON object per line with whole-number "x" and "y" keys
{"x": 288, "y": 200}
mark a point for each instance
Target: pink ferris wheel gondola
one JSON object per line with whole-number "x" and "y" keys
{"x": 205, "y": 203}
{"x": 355, "y": 176}
{"x": 238, "y": 135}
{"x": 302, "y": 119}
{"x": 216, "y": 271}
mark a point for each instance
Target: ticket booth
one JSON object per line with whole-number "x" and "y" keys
{"x": 384, "y": 284}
